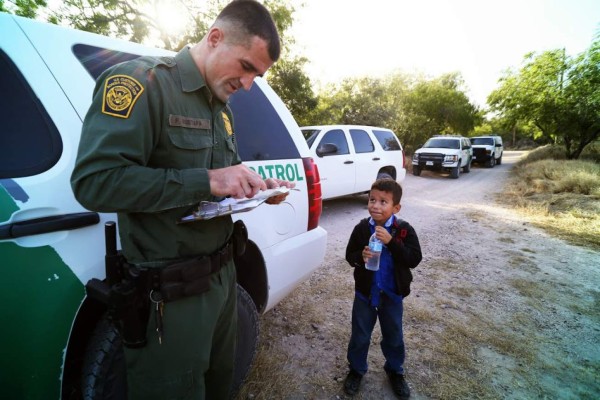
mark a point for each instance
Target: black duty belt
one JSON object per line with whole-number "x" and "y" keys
{"x": 189, "y": 277}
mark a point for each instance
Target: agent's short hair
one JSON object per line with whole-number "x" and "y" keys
{"x": 249, "y": 18}
{"x": 390, "y": 186}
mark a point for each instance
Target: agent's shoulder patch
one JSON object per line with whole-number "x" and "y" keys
{"x": 120, "y": 94}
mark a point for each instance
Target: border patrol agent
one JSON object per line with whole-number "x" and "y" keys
{"x": 158, "y": 139}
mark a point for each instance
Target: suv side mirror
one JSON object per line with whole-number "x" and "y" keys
{"x": 326, "y": 149}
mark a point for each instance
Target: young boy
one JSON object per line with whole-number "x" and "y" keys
{"x": 379, "y": 294}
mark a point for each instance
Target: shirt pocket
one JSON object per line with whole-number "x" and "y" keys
{"x": 191, "y": 148}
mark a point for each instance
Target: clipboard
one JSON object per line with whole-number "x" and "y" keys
{"x": 212, "y": 209}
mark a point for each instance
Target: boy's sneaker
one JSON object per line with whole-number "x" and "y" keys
{"x": 352, "y": 382}
{"x": 399, "y": 385}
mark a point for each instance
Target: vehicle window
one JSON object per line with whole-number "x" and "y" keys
{"x": 387, "y": 140}
{"x": 310, "y": 135}
{"x": 337, "y": 137}
{"x": 30, "y": 143}
{"x": 96, "y": 59}
{"x": 442, "y": 143}
{"x": 482, "y": 141}
{"x": 259, "y": 131}
{"x": 361, "y": 140}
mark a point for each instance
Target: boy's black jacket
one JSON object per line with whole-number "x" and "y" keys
{"x": 405, "y": 250}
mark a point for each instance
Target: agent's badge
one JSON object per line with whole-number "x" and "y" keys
{"x": 120, "y": 94}
{"x": 227, "y": 123}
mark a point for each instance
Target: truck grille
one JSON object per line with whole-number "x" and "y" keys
{"x": 435, "y": 157}
{"x": 479, "y": 153}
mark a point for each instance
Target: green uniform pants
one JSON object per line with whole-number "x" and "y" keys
{"x": 195, "y": 359}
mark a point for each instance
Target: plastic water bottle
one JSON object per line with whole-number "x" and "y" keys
{"x": 375, "y": 245}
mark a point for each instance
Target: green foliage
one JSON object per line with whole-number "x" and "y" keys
{"x": 560, "y": 95}
{"x": 290, "y": 82}
{"x": 23, "y": 8}
{"x": 412, "y": 106}
{"x": 557, "y": 152}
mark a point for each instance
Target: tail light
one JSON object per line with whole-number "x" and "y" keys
{"x": 313, "y": 184}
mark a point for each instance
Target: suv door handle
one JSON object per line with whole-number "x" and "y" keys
{"x": 348, "y": 162}
{"x": 54, "y": 223}
{"x": 376, "y": 159}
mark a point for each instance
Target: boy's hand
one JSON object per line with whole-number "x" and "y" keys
{"x": 382, "y": 234}
{"x": 366, "y": 253}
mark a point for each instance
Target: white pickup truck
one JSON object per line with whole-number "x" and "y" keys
{"x": 351, "y": 157}
{"x": 487, "y": 150}
{"x": 57, "y": 343}
{"x": 449, "y": 153}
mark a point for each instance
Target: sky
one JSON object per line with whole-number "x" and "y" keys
{"x": 478, "y": 38}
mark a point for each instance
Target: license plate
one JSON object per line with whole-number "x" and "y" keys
{"x": 429, "y": 163}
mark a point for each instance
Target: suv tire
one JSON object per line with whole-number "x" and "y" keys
{"x": 455, "y": 173}
{"x": 416, "y": 171}
{"x": 104, "y": 372}
{"x": 467, "y": 167}
{"x": 499, "y": 161}
{"x": 491, "y": 162}
{"x": 247, "y": 338}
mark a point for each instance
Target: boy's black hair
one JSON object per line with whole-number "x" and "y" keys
{"x": 253, "y": 19}
{"x": 389, "y": 185}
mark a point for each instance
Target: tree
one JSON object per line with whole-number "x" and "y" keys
{"x": 140, "y": 21}
{"x": 559, "y": 94}
{"x": 293, "y": 86}
{"x": 23, "y": 8}
{"x": 437, "y": 106}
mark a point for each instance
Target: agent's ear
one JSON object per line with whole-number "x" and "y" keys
{"x": 397, "y": 208}
{"x": 214, "y": 37}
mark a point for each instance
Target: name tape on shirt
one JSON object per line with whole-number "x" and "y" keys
{"x": 188, "y": 122}
{"x": 120, "y": 94}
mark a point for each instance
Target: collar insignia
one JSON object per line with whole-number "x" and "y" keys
{"x": 227, "y": 123}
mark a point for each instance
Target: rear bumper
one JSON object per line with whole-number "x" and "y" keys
{"x": 292, "y": 261}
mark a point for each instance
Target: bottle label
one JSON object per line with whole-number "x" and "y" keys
{"x": 376, "y": 246}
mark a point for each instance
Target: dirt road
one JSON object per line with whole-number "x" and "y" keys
{"x": 498, "y": 310}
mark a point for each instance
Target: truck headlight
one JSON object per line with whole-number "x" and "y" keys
{"x": 416, "y": 157}
{"x": 451, "y": 158}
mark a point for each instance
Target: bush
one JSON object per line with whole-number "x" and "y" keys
{"x": 557, "y": 152}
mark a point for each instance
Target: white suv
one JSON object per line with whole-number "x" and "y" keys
{"x": 58, "y": 343}
{"x": 487, "y": 150}
{"x": 444, "y": 153}
{"x": 351, "y": 157}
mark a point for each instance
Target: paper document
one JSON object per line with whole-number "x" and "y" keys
{"x": 211, "y": 209}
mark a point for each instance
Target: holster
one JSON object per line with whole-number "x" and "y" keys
{"x": 127, "y": 302}
{"x": 239, "y": 237}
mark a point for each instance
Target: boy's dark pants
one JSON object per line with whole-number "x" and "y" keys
{"x": 364, "y": 317}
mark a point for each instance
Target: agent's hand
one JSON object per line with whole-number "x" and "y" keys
{"x": 237, "y": 181}
{"x": 273, "y": 183}
{"x": 382, "y": 234}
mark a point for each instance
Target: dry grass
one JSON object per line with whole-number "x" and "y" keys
{"x": 467, "y": 338}
{"x": 560, "y": 196}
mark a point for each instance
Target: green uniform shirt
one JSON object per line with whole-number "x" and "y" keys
{"x": 152, "y": 132}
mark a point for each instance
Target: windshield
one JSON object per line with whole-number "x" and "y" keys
{"x": 310, "y": 135}
{"x": 442, "y": 143}
{"x": 482, "y": 140}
